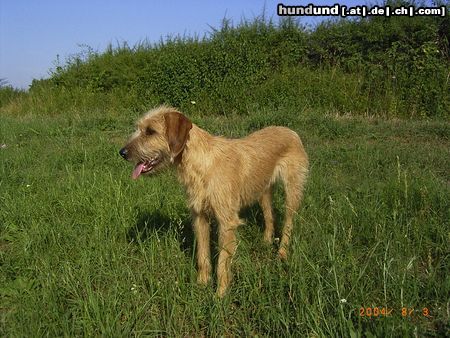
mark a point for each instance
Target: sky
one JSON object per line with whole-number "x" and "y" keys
{"x": 33, "y": 33}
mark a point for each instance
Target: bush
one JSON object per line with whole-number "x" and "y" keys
{"x": 8, "y": 93}
{"x": 395, "y": 66}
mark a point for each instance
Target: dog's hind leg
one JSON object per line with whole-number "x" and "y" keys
{"x": 266, "y": 206}
{"x": 293, "y": 178}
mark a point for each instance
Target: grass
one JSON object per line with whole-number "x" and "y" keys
{"x": 86, "y": 251}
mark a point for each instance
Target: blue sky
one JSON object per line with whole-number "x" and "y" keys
{"x": 33, "y": 32}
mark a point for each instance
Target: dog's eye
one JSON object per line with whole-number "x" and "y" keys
{"x": 149, "y": 131}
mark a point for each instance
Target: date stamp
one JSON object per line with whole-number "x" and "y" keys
{"x": 405, "y": 312}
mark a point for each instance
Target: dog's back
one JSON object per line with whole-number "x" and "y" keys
{"x": 261, "y": 158}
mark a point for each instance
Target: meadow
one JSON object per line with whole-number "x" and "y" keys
{"x": 86, "y": 251}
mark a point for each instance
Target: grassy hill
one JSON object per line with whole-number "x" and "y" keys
{"x": 86, "y": 251}
{"x": 379, "y": 66}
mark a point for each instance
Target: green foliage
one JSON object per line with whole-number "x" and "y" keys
{"x": 9, "y": 94}
{"x": 403, "y": 61}
{"x": 397, "y": 66}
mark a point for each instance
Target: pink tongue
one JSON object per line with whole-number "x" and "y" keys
{"x": 137, "y": 170}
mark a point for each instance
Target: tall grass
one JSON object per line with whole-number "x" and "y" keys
{"x": 85, "y": 250}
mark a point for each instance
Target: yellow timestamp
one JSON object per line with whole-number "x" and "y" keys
{"x": 384, "y": 311}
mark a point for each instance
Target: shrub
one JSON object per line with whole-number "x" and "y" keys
{"x": 395, "y": 66}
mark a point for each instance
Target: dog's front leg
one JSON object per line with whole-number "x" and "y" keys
{"x": 202, "y": 235}
{"x": 227, "y": 248}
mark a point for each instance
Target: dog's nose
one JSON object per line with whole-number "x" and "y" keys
{"x": 123, "y": 152}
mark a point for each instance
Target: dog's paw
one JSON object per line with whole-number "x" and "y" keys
{"x": 221, "y": 291}
{"x": 203, "y": 278}
{"x": 268, "y": 239}
{"x": 282, "y": 254}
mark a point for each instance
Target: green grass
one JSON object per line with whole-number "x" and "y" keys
{"x": 86, "y": 251}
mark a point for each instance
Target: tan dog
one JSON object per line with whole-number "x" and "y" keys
{"x": 221, "y": 176}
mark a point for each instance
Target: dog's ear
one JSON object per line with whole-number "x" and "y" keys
{"x": 177, "y": 132}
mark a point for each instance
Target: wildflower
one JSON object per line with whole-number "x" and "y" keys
{"x": 134, "y": 288}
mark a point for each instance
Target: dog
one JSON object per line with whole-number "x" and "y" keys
{"x": 221, "y": 176}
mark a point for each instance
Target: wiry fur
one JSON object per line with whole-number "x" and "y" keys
{"x": 223, "y": 175}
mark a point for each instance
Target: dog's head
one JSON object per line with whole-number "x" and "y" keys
{"x": 159, "y": 140}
